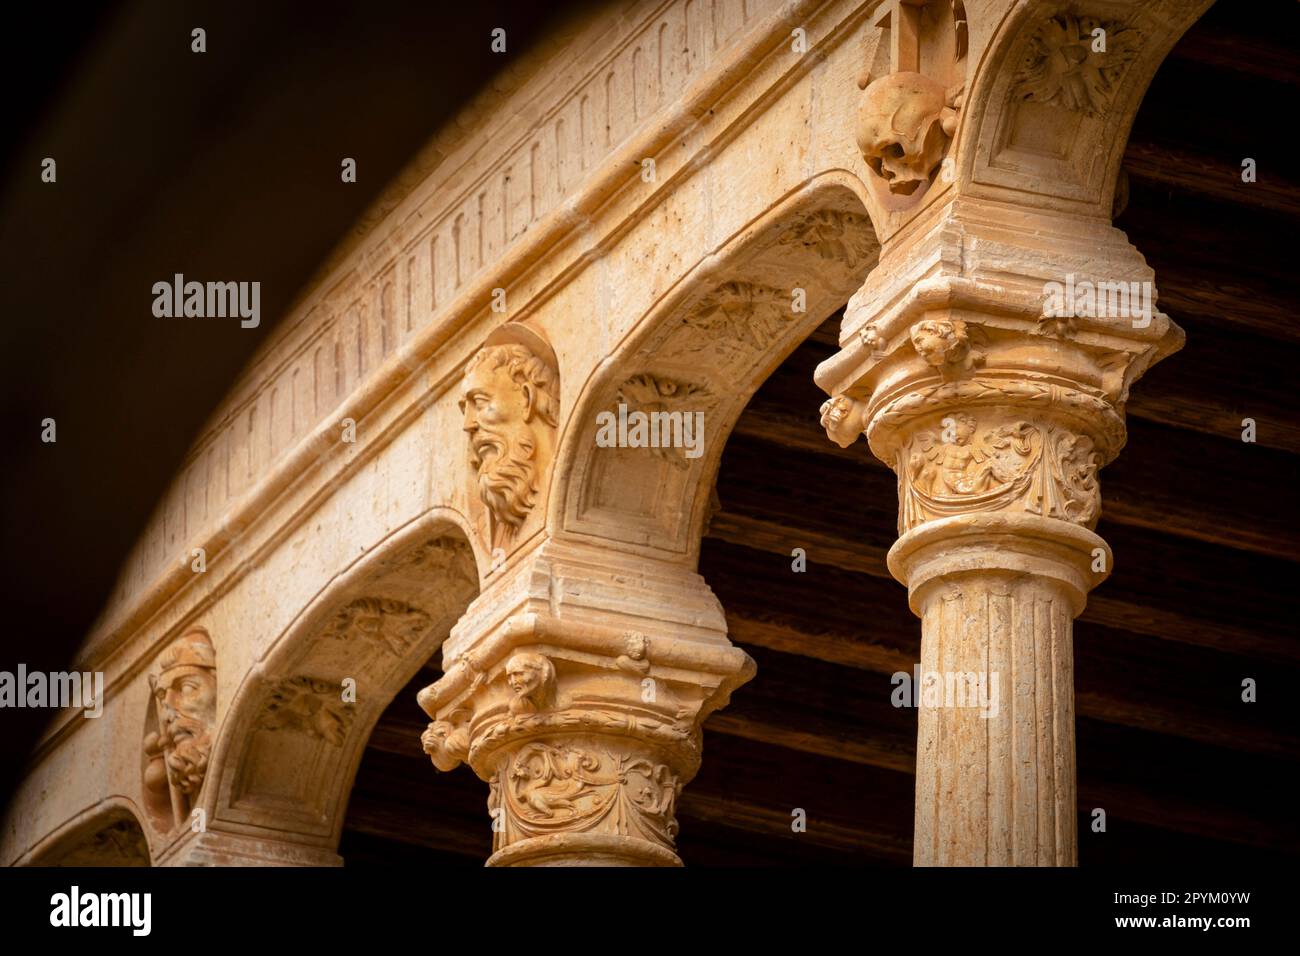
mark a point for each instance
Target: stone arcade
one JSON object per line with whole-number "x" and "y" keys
{"x": 933, "y": 163}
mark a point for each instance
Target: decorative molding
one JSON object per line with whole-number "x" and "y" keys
{"x": 891, "y": 415}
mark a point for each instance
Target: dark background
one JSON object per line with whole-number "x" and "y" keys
{"x": 220, "y": 165}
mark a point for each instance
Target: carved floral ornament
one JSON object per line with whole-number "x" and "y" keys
{"x": 1076, "y": 63}
{"x": 380, "y": 622}
{"x": 580, "y": 787}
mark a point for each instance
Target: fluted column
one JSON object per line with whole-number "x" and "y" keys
{"x": 576, "y": 690}
{"x": 986, "y": 368}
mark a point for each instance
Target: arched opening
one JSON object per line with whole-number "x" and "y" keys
{"x": 293, "y": 743}
{"x": 109, "y": 836}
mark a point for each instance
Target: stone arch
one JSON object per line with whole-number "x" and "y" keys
{"x": 108, "y": 833}
{"x": 290, "y": 746}
{"x": 704, "y": 348}
{"x": 1035, "y": 135}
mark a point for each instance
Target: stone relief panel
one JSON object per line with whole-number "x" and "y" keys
{"x": 973, "y": 464}
{"x": 580, "y": 786}
{"x": 383, "y": 624}
{"x": 1077, "y": 62}
{"x": 308, "y": 706}
{"x": 179, "y": 728}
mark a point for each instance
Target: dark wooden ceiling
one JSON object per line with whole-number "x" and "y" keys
{"x": 1203, "y": 527}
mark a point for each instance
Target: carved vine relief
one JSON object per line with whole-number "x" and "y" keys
{"x": 968, "y": 467}
{"x": 544, "y": 789}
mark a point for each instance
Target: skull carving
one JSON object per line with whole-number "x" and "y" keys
{"x": 904, "y": 126}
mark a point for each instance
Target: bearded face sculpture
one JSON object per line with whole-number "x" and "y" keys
{"x": 904, "y": 126}
{"x": 532, "y": 679}
{"x": 185, "y": 701}
{"x": 510, "y": 403}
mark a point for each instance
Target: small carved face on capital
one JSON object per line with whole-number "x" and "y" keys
{"x": 532, "y": 678}
{"x": 842, "y": 417}
{"x": 903, "y": 130}
{"x": 944, "y": 344}
{"x": 446, "y": 744}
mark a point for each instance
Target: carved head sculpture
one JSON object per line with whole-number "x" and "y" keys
{"x": 510, "y": 403}
{"x": 904, "y": 125}
{"x": 944, "y": 344}
{"x": 447, "y": 744}
{"x": 185, "y": 696}
{"x": 963, "y": 428}
{"x": 842, "y": 418}
{"x": 532, "y": 678}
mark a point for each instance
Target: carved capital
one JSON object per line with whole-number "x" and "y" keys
{"x": 989, "y": 362}
{"x": 583, "y": 712}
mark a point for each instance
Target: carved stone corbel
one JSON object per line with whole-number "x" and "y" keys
{"x": 907, "y": 118}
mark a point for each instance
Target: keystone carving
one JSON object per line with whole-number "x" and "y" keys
{"x": 510, "y": 402}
